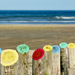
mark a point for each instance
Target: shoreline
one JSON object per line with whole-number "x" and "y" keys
{"x": 38, "y": 25}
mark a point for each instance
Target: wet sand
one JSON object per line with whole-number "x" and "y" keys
{"x": 35, "y": 36}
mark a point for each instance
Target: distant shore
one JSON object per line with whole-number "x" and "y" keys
{"x": 35, "y": 36}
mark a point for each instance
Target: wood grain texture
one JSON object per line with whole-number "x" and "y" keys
{"x": 48, "y": 65}
{"x": 38, "y": 66}
{"x": 72, "y": 58}
{"x": 65, "y": 60}
{"x": 19, "y": 68}
{"x": 48, "y": 62}
{"x": 56, "y": 64}
{"x": 23, "y": 64}
{"x": 9, "y": 70}
{"x": 0, "y": 63}
{"x": 71, "y": 71}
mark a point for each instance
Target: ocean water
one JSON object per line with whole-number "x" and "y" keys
{"x": 37, "y": 17}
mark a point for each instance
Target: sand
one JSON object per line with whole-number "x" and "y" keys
{"x": 35, "y": 36}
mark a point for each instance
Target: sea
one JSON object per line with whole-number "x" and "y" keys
{"x": 37, "y": 17}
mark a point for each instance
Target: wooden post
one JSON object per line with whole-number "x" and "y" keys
{"x": 65, "y": 60}
{"x": 0, "y": 63}
{"x": 72, "y": 58}
{"x": 61, "y": 61}
{"x": 71, "y": 71}
{"x": 19, "y": 68}
{"x": 23, "y": 64}
{"x": 9, "y": 70}
{"x": 38, "y": 66}
{"x": 56, "y": 64}
{"x": 48, "y": 62}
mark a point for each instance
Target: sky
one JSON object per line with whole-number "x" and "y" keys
{"x": 37, "y": 4}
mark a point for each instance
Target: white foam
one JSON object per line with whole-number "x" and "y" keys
{"x": 62, "y": 17}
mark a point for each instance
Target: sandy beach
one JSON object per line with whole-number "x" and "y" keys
{"x": 35, "y": 36}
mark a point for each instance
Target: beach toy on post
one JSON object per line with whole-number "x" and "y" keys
{"x": 55, "y": 49}
{"x": 63, "y": 45}
{"x": 9, "y": 57}
{"x": 23, "y": 58}
{"x": 0, "y": 50}
{"x": 22, "y": 48}
{"x": 38, "y": 54}
{"x": 47, "y": 48}
{"x": 38, "y": 62}
{"x": 71, "y": 45}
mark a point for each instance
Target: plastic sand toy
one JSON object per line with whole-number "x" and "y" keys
{"x": 9, "y": 57}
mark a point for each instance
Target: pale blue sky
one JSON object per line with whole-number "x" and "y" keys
{"x": 37, "y": 4}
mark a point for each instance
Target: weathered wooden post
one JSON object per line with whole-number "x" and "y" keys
{"x": 71, "y": 48}
{"x": 38, "y": 62}
{"x": 56, "y": 60}
{"x": 9, "y": 58}
{"x": 0, "y": 61}
{"x": 23, "y": 64}
{"x": 48, "y": 63}
{"x": 23, "y": 59}
{"x": 71, "y": 71}
{"x": 48, "y": 59}
{"x": 9, "y": 70}
{"x": 64, "y": 58}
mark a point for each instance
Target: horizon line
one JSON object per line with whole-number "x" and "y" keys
{"x": 41, "y": 10}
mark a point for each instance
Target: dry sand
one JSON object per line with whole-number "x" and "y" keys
{"x": 35, "y": 36}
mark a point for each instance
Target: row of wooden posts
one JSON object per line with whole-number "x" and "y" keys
{"x": 62, "y": 63}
